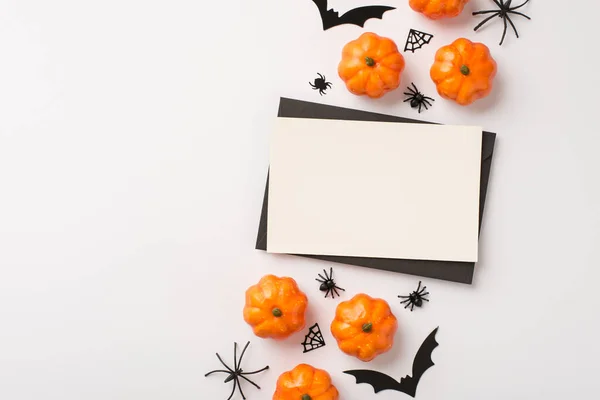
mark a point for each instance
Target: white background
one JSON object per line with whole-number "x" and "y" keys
{"x": 133, "y": 157}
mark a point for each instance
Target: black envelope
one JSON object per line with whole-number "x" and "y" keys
{"x": 461, "y": 272}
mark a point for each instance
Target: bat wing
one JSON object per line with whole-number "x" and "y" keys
{"x": 421, "y": 364}
{"x": 359, "y": 16}
{"x": 378, "y": 380}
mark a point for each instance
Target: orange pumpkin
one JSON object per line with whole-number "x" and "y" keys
{"x": 364, "y": 327}
{"x": 275, "y": 307}
{"x": 371, "y": 65}
{"x": 437, "y": 9}
{"x": 463, "y": 71}
{"x": 305, "y": 383}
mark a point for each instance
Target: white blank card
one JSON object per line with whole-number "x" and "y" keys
{"x": 374, "y": 189}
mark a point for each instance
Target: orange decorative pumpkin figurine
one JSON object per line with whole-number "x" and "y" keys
{"x": 463, "y": 71}
{"x": 364, "y": 327}
{"x": 437, "y": 9}
{"x": 275, "y": 307}
{"x": 305, "y": 383}
{"x": 371, "y": 65}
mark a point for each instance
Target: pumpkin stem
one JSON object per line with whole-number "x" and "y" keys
{"x": 306, "y": 397}
{"x": 465, "y": 70}
{"x": 370, "y": 62}
{"x": 277, "y": 312}
{"x": 368, "y": 327}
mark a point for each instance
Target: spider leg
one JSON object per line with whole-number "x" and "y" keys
{"x": 404, "y": 297}
{"x": 313, "y": 86}
{"x": 342, "y": 289}
{"x": 486, "y": 20}
{"x": 336, "y": 292}
{"x": 321, "y": 276}
{"x": 425, "y": 104}
{"x": 504, "y": 33}
{"x": 500, "y": 4}
{"x": 485, "y": 12}
{"x": 331, "y": 273}
{"x": 513, "y": 26}
{"x": 408, "y": 305}
{"x": 319, "y": 280}
{"x": 419, "y": 287}
{"x": 225, "y": 365}
{"x": 240, "y": 388}
{"x": 233, "y": 391}
{"x": 425, "y": 299}
{"x": 328, "y": 84}
{"x": 420, "y": 105}
{"x": 216, "y": 370}
{"x": 423, "y": 294}
{"x": 414, "y": 86}
{"x": 248, "y": 380}
{"x": 521, "y": 14}
{"x": 517, "y": 7}
{"x": 235, "y": 363}
{"x": 412, "y": 307}
{"x": 321, "y": 92}
{"x": 409, "y": 99}
{"x": 242, "y": 356}
{"x": 422, "y": 290}
{"x": 427, "y": 99}
{"x": 327, "y": 292}
{"x": 255, "y": 372}
{"x": 321, "y": 76}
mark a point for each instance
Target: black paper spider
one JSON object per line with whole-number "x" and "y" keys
{"x": 504, "y": 12}
{"x": 320, "y": 84}
{"x": 328, "y": 284}
{"x": 416, "y": 298}
{"x": 417, "y": 99}
{"x": 236, "y": 373}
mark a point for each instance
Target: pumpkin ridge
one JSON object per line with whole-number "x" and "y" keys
{"x": 316, "y": 392}
{"x": 386, "y": 62}
{"x": 375, "y": 72}
{"x": 367, "y": 76}
{"x": 349, "y": 78}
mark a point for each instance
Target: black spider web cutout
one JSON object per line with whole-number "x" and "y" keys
{"x": 417, "y": 39}
{"x": 314, "y": 339}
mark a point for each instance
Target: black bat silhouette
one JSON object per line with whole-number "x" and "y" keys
{"x": 357, "y": 16}
{"x": 408, "y": 385}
